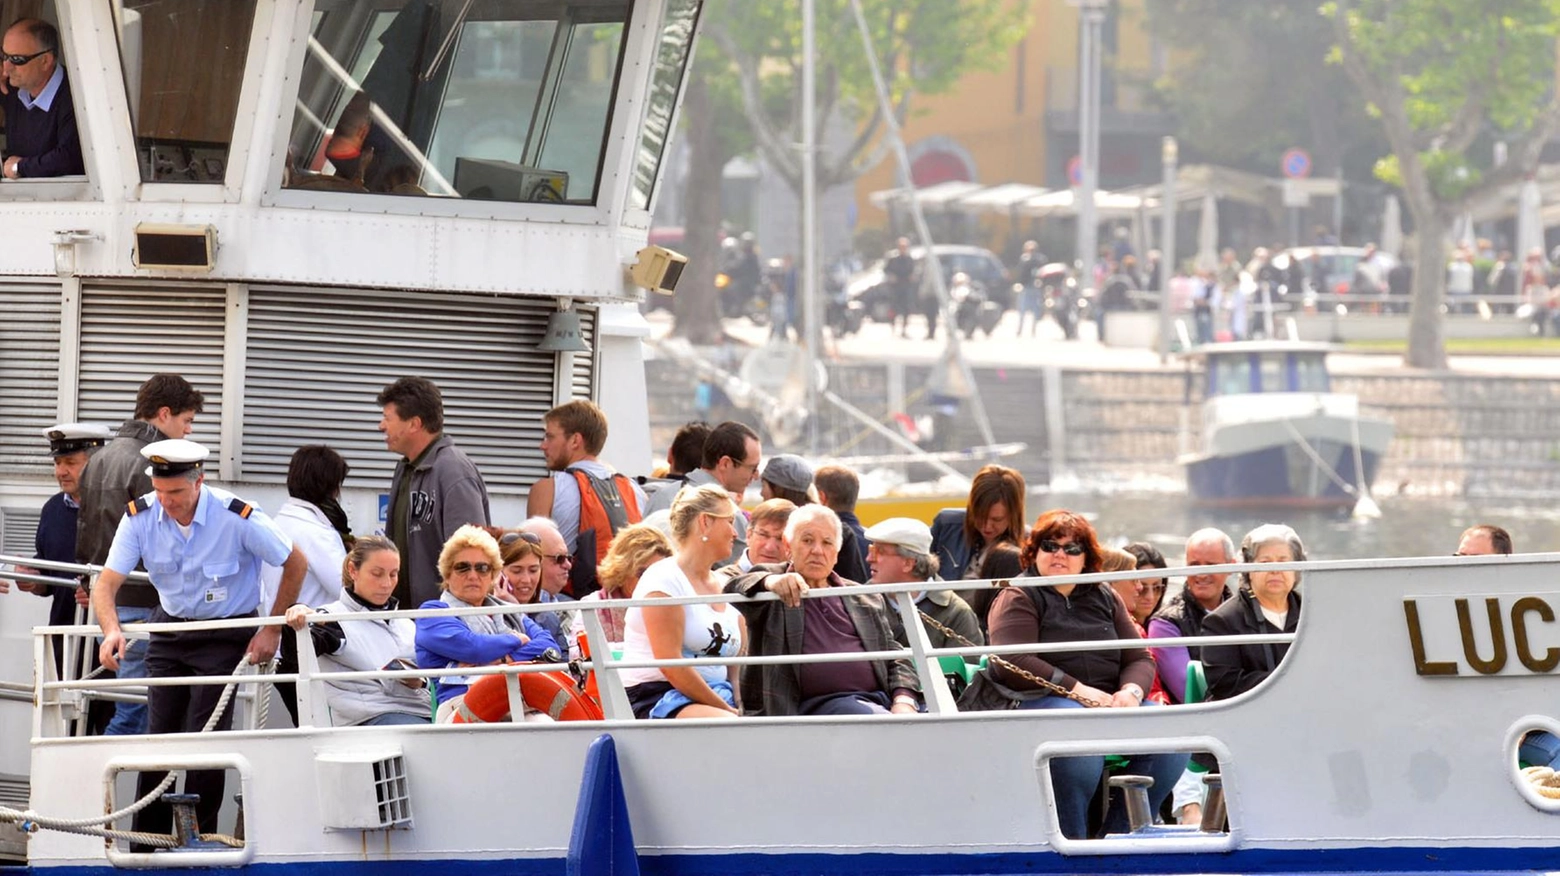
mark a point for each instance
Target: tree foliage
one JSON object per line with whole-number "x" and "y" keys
{"x": 923, "y": 46}
{"x": 1438, "y": 75}
{"x": 1249, "y": 80}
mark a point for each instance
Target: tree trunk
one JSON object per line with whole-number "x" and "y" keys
{"x": 1427, "y": 325}
{"x": 695, "y": 307}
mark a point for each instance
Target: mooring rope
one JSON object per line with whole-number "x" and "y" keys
{"x": 31, "y": 822}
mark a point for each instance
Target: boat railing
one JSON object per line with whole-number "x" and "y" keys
{"x": 61, "y": 698}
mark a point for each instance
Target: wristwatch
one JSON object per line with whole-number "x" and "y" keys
{"x": 1132, "y": 688}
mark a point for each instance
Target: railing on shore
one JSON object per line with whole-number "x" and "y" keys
{"x": 60, "y": 700}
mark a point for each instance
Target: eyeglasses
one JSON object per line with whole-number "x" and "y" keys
{"x": 480, "y": 568}
{"x": 1051, "y": 546}
{"x": 752, "y": 466}
{"x": 510, "y": 538}
{"x": 1156, "y": 587}
{"x": 560, "y": 559}
{"x": 23, "y": 60}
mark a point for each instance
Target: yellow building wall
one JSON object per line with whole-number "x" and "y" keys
{"x": 999, "y": 117}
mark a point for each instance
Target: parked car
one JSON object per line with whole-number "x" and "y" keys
{"x": 982, "y": 266}
{"x": 1328, "y": 269}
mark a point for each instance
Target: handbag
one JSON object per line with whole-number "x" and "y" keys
{"x": 986, "y": 694}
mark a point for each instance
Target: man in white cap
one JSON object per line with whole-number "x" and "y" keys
{"x": 203, "y": 548}
{"x": 899, "y": 551}
{"x": 71, "y": 444}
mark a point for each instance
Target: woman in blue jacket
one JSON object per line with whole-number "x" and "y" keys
{"x": 469, "y": 566}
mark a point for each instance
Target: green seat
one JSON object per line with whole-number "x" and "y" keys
{"x": 1196, "y": 683}
{"x": 954, "y": 665}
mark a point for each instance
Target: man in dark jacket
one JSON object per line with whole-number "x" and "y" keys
{"x": 40, "y": 119}
{"x": 1182, "y": 615}
{"x": 436, "y": 488}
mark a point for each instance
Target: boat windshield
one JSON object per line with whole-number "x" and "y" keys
{"x": 501, "y": 100}
{"x": 1240, "y": 373}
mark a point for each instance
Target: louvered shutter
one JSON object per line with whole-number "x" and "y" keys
{"x": 19, "y": 530}
{"x": 317, "y": 358}
{"x": 584, "y": 372}
{"x": 29, "y": 375}
{"x": 129, "y": 333}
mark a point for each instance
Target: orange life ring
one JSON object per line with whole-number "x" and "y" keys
{"x": 554, "y": 694}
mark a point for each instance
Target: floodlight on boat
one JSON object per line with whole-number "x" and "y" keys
{"x": 658, "y": 269}
{"x": 563, "y": 332}
{"x": 175, "y": 247}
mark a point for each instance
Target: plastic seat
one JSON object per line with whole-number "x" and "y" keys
{"x": 1196, "y": 683}
{"x": 954, "y": 665}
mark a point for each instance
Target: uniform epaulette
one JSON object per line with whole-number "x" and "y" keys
{"x": 240, "y": 507}
{"x": 137, "y": 506}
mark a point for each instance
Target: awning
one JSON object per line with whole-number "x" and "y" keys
{"x": 999, "y": 198}
{"x": 932, "y": 197}
{"x": 1107, "y": 205}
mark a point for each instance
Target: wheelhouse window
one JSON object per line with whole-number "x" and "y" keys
{"x": 39, "y": 138}
{"x": 184, "y": 66}
{"x": 500, "y": 100}
{"x": 671, "y": 60}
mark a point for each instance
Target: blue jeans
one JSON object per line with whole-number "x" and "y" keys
{"x": 131, "y": 718}
{"x": 1540, "y": 748}
{"x": 1075, "y": 780}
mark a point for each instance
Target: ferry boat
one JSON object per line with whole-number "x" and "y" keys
{"x": 221, "y": 231}
{"x": 1274, "y": 433}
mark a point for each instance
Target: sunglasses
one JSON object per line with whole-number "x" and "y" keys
{"x": 23, "y": 60}
{"x": 1051, "y": 546}
{"x": 510, "y": 538}
{"x": 560, "y": 559}
{"x": 479, "y": 568}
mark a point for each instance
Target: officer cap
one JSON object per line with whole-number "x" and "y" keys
{"x": 173, "y": 457}
{"x": 68, "y": 438}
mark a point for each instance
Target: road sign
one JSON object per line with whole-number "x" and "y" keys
{"x": 1075, "y": 170}
{"x": 1295, "y": 195}
{"x": 1296, "y": 164}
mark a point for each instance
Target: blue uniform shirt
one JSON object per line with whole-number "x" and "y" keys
{"x": 215, "y": 573}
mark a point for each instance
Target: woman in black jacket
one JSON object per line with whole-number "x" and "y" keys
{"x": 1267, "y": 603}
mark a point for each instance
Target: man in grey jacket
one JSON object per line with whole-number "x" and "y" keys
{"x": 436, "y": 488}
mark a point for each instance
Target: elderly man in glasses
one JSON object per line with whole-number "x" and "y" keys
{"x": 40, "y": 120}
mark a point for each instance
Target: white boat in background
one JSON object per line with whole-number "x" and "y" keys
{"x": 1274, "y": 433}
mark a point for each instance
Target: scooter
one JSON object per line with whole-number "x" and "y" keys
{"x": 972, "y": 309}
{"x": 1064, "y": 303}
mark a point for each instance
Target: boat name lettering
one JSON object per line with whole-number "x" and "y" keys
{"x": 1502, "y": 634}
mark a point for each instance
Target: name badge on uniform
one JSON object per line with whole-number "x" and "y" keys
{"x": 216, "y": 594}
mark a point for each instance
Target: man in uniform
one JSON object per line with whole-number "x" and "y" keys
{"x": 585, "y": 497}
{"x": 40, "y": 120}
{"x": 436, "y": 489}
{"x": 71, "y": 444}
{"x": 203, "y": 548}
{"x": 165, "y": 407}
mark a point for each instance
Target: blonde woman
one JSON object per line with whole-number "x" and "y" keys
{"x": 704, "y": 529}
{"x": 469, "y": 566}
{"x": 633, "y": 551}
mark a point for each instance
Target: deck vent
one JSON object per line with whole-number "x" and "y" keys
{"x": 363, "y": 789}
{"x": 175, "y": 247}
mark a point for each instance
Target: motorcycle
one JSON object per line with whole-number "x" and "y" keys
{"x": 972, "y": 308}
{"x": 1064, "y": 302}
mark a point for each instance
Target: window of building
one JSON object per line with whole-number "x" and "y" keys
{"x": 504, "y": 100}
{"x": 183, "y": 112}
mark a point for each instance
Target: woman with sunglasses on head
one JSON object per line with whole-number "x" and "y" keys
{"x": 1063, "y": 544}
{"x": 634, "y": 549}
{"x": 469, "y": 567}
{"x": 704, "y": 529}
{"x": 520, "y": 578}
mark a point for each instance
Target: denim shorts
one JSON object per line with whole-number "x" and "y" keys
{"x": 673, "y": 701}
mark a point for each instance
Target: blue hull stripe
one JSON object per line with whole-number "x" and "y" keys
{"x": 1358, "y": 860}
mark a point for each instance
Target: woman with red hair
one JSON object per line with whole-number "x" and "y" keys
{"x": 1063, "y": 543}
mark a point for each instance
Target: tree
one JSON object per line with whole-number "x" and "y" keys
{"x": 1252, "y": 80}
{"x": 923, "y": 46}
{"x": 1438, "y": 74}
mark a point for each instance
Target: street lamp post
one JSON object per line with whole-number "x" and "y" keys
{"x": 1091, "y": 20}
{"x": 1169, "y": 152}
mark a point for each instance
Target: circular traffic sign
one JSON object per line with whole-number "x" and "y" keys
{"x": 1296, "y": 164}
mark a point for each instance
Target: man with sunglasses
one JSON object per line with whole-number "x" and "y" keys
{"x": 41, "y": 139}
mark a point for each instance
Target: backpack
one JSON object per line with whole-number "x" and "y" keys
{"x": 605, "y": 504}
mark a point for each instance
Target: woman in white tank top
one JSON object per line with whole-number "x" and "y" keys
{"x": 703, "y": 529}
